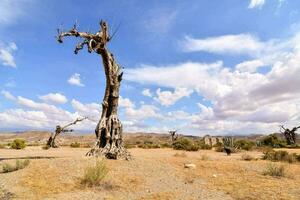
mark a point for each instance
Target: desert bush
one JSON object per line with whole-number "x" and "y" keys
{"x": 94, "y": 175}
{"x": 281, "y": 156}
{"x": 244, "y": 144}
{"x": 2, "y": 146}
{"x": 246, "y": 157}
{"x": 165, "y": 145}
{"x": 129, "y": 146}
{"x": 19, "y": 165}
{"x": 204, "y": 157}
{"x": 185, "y": 144}
{"x": 18, "y": 144}
{"x": 46, "y": 147}
{"x": 218, "y": 147}
{"x": 274, "y": 170}
{"x": 273, "y": 141}
{"x": 202, "y": 145}
{"x": 75, "y": 145}
{"x": 183, "y": 154}
{"x": 148, "y": 145}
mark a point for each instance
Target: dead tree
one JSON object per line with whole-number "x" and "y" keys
{"x": 109, "y": 142}
{"x": 174, "y": 135}
{"x": 290, "y": 135}
{"x": 59, "y": 130}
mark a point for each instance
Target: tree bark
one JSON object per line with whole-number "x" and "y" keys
{"x": 109, "y": 141}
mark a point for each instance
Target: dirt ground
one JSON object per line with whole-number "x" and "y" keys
{"x": 152, "y": 174}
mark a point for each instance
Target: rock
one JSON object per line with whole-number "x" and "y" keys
{"x": 215, "y": 175}
{"x": 190, "y": 166}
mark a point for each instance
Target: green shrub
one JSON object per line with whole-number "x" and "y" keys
{"x": 148, "y": 145}
{"x": 75, "y": 145}
{"x": 18, "y": 144}
{"x": 274, "y": 170}
{"x": 185, "y": 144}
{"x": 244, "y": 144}
{"x": 202, "y": 145}
{"x": 94, "y": 175}
{"x": 165, "y": 145}
{"x": 273, "y": 141}
{"x": 129, "y": 146}
{"x": 19, "y": 165}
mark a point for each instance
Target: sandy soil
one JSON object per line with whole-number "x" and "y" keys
{"x": 152, "y": 174}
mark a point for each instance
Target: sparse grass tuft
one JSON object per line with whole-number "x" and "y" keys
{"x": 46, "y": 147}
{"x": 94, "y": 175}
{"x": 274, "y": 170}
{"x": 19, "y": 165}
{"x": 18, "y": 144}
{"x": 75, "y": 145}
{"x": 204, "y": 157}
{"x": 247, "y": 157}
{"x": 183, "y": 155}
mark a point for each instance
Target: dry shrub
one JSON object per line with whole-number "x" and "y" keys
{"x": 19, "y": 165}
{"x": 280, "y": 156}
{"x": 185, "y": 144}
{"x": 2, "y": 146}
{"x": 18, "y": 144}
{"x": 94, "y": 175}
{"x": 274, "y": 170}
{"x": 204, "y": 157}
{"x": 183, "y": 155}
{"x": 129, "y": 146}
{"x": 75, "y": 145}
{"x": 247, "y": 157}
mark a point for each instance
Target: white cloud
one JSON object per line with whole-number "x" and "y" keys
{"x": 6, "y": 54}
{"x": 147, "y": 93}
{"x": 75, "y": 80}
{"x": 256, "y": 4}
{"x": 226, "y": 44}
{"x": 167, "y": 98}
{"x": 249, "y": 66}
{"x": 7, "y": 95}
{"x": 12, "y": 11}
{"x": 125, "y": 102}
{"x": 240, "y": 101}
{"x": 54, "y": 98}
{"x": 34, "y": 115}
{"x": 160, "y": 21}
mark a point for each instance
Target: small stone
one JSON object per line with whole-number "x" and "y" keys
{"x": 215, "y": 175}
{"x": 190, "y": 166}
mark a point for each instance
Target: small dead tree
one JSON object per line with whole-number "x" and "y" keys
{"x": 59, "y": 130}
{"x": 290, "y": 135}
{"x": 109, "y": 142}
{"x": 174, "y": 135}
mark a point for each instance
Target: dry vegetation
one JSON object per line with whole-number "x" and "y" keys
{"x": 65, "y": 173}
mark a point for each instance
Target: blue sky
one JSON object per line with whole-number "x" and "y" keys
{"x": 204, "y": 67}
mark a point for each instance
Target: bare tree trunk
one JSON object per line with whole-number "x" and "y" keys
{"x": 109, "y": 141}
{"x": 59, "y": 130}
